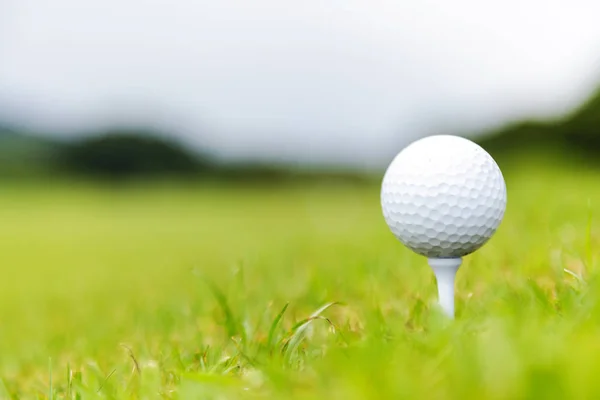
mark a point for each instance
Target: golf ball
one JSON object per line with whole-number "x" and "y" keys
{"x": 443, "y": 196}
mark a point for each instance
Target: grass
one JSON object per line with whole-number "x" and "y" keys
{"x": 300, "y": 292}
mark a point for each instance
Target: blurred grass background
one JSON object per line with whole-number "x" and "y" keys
{"x": 133, "y": 268}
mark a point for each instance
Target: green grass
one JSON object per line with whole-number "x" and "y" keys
{"x": 300, "y": 292}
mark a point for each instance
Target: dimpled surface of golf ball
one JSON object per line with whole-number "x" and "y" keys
{"x": 443, "y": 196}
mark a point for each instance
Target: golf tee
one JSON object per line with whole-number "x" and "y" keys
{"x": 445, "y": 273}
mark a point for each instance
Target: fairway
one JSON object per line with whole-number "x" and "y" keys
{"x": 176, "y": 290}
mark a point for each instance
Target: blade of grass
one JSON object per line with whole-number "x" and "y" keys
{"x": 50, "y": 378}
{"x": 274, "y": 325}
{"x": 105, "y": 381}
{"x": 77, "y": 381}
{"x": 297, "y": 334}
{"x": 233, "y": 326}
{"x": 588, "y": 244}
{"x": 69, "y": 382}
{"x": 4, "y": 394}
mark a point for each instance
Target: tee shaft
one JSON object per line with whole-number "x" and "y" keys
{"x": 445, "y": 273}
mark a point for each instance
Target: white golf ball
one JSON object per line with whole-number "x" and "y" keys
{"x": 443, "y": 196}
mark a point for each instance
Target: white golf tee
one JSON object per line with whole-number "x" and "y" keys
{"x": 445, "y": 273}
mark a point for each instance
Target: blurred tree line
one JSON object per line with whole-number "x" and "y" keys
{"x": 576, "y": 135}
{"x": 127, "y": 153}
{"x": 122, "y": 154}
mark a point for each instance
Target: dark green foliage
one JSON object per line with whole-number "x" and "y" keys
{"x": 125, "y": 154}
{"x": 578, "y": 134}
{"x": 22, "y": 154}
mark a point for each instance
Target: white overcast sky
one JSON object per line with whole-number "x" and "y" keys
{"x": 348, "y": 80}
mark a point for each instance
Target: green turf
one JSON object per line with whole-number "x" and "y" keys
{"x": 298, "y": 292}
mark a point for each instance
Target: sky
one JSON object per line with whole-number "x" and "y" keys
{"x": 338, "y": 81}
